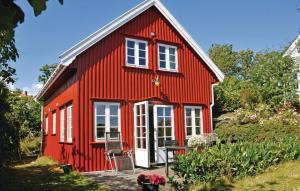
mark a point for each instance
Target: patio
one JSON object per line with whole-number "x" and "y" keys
{"x": 124, "y": 181}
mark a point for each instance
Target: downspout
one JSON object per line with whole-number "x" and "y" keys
{"x": 211, "y": 106}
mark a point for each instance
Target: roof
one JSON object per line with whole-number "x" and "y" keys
{"x": 69, "y": 56}
{"x": 292, "y": 50}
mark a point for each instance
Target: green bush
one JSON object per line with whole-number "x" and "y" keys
{"x": 30, "y": 145}
{"x": 235, "y": 160}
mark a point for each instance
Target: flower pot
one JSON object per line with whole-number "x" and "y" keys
{"x": 146, "y": 186}
{"x": 67, "y": 168}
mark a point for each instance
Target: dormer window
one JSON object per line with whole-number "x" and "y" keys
{"x": 167, "y": 57}
{"x": 136, "y": 53}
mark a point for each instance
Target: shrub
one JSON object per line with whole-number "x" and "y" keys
{"x": 30, "y": 145}
{"x": 235, "y": 160}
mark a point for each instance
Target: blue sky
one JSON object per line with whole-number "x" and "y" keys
{"x": 254, "y": 24}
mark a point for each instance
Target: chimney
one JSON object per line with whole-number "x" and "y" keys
{"x": 25, "y": 93}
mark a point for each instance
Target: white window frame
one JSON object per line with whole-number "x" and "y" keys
{"x": 167, "y": 57}
{"x": 69, "y": 123}
{"x": 46, "y": 125}
{"x": 136, "y": 53}
{"x": 193, "y": 120}
{"x": 53, "y": 122}
{"x": 107, "y": 118}
{"x": 62, "y": 125}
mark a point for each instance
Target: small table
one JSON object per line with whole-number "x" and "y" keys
{"x": 172, "y": 148}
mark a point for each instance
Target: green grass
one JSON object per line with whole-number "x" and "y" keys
{"x": 43, "y": 174}
{"x": 281, "y": 177}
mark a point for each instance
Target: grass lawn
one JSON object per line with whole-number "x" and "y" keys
{"x": 42, "y": 174}
{"x": 282, "y": 177}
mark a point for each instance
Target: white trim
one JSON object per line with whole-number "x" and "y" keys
{"x": 193, "y": 120}
{"x": 47, "y": 124}
{"x": 167, "y": 55}
{"x": 53, "y": 122}
{"x": 107, "y": 118}
{"x": 69, "y": 124}
{"x": 136, "y": 53}
{"x": 212, "y": 105}
{"x": 62, "y": 125}
{"x": 69, "y": 56}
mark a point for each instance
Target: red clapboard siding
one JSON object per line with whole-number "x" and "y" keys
{"x": 102, "y": 76}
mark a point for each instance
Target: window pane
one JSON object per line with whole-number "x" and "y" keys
{"x": 188, "y": 112}
{"x": 130, "y": 52}
{"x": 142, "y": 62}
{"x": 172, "y": 65}
{"x": 143, "y": 132}
{"x": 143, "y": 109}
{"x": 144, "y": 143}
{"x": 130, "y": 44}
{"x": 160, "y": 121}
{"x": 168, "y": 131}
{"x": 198, "y": 121}
{"x": 162, "y": 64}
{"x": 189, "y": 131}
{"x": 143, "y": 120}
{"x": 172, "y": 58}
{"x": 113, "y": 109}
{"x": 100, "y": 121}
{"x": 198, "y": 130}
{"x": 162, "y": 56}
{"x": 160, "y": 111}
{"x": 100, "y": 132}
{"x": 160, "y": 142}
{"x": 142, "y": 46}
{"x": 162, "y": 49}
{"x": 172, "y": 51}
{"x": 168, "y": 121}
{"x": 188, "y": 121}
{"x": 130, "y": 60}
{"x": 138, "y": 121}
{"x": 100, "y": 109}
{"x": 138, "y": 143}
{"x": 142, "y": 54}
{"x": 160, "y": 132}
{"x": 138, "y": 112}
{"x": 167, "y": 111}
{"x": 114, "y": 121}
{"x": 197, "y": 112}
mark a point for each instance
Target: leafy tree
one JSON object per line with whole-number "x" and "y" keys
{"x": 46, "y": 70}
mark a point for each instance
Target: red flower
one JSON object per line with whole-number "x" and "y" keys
{"x": 141, "y": 178}
{"x": 157, "y": 180}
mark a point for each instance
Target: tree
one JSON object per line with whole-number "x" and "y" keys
{"x": 46, "y": 70}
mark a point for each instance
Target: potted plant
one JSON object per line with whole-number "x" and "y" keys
{"x": 150, "y": 182}
{"x": 67, "y": 168}
{"x": 197, "y": 142}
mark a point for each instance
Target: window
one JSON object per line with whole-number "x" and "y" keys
{"x": 167, "y": 57}
{"x": 107, "y": 119}
{"x": 136, "y": 53}
{"x": 164, "y": 124}
{"x": 47, "y": 125}
{"x": 69, "y": 124}
{"x": 193, "y": 120}
{"x": 62, "y": 125}
{"x": 54, "y": 123}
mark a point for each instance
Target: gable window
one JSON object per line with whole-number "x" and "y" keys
{"x": 62, "y": 125}
{"x": 47, "y": 125}
{"x": 69, "y": 124}
{"x": 107, "y": 119}
{"x": 167, "y": 57}
{"x": 136, "y": 53}
{"x": 193, "y": 120}
{"x": 54, "y": 123}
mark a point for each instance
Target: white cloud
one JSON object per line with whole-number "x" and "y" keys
{"x": 33, "y": 89}
{"x": 11, "y": 86}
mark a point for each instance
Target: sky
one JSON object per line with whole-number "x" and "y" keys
{"x": 253, "y": 24}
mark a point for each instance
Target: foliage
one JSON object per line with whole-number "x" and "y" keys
{"x": 43, "y": 174}
{"x": 266, "y": 77}
{"x": 8, "y": 53}
{"x": 30, "y": 146}
{"x": 46, "y": 70}
{"x": 196, "y": 140}
{"x": 235, "y": 160}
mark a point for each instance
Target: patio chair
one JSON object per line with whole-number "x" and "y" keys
{"x": 171, "y": 143}
{"x": 118, "y": 159}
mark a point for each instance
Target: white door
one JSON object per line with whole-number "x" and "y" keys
{"x": 163, "y": 130}
{"x": 141, "y": 134}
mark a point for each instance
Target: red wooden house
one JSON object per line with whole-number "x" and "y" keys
{"x": 142, "y": 75}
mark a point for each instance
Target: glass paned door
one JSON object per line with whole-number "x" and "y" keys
{"x": 141, "y": 132}
{"x": 164, "y": 130}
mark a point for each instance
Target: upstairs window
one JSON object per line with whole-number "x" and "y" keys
{"x": 167, "y": 57}
{"x": 136, "y": 53}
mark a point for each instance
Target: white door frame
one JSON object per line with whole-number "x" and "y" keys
{"x": 142, "y": 155}
{"x": 160, "y": 152}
